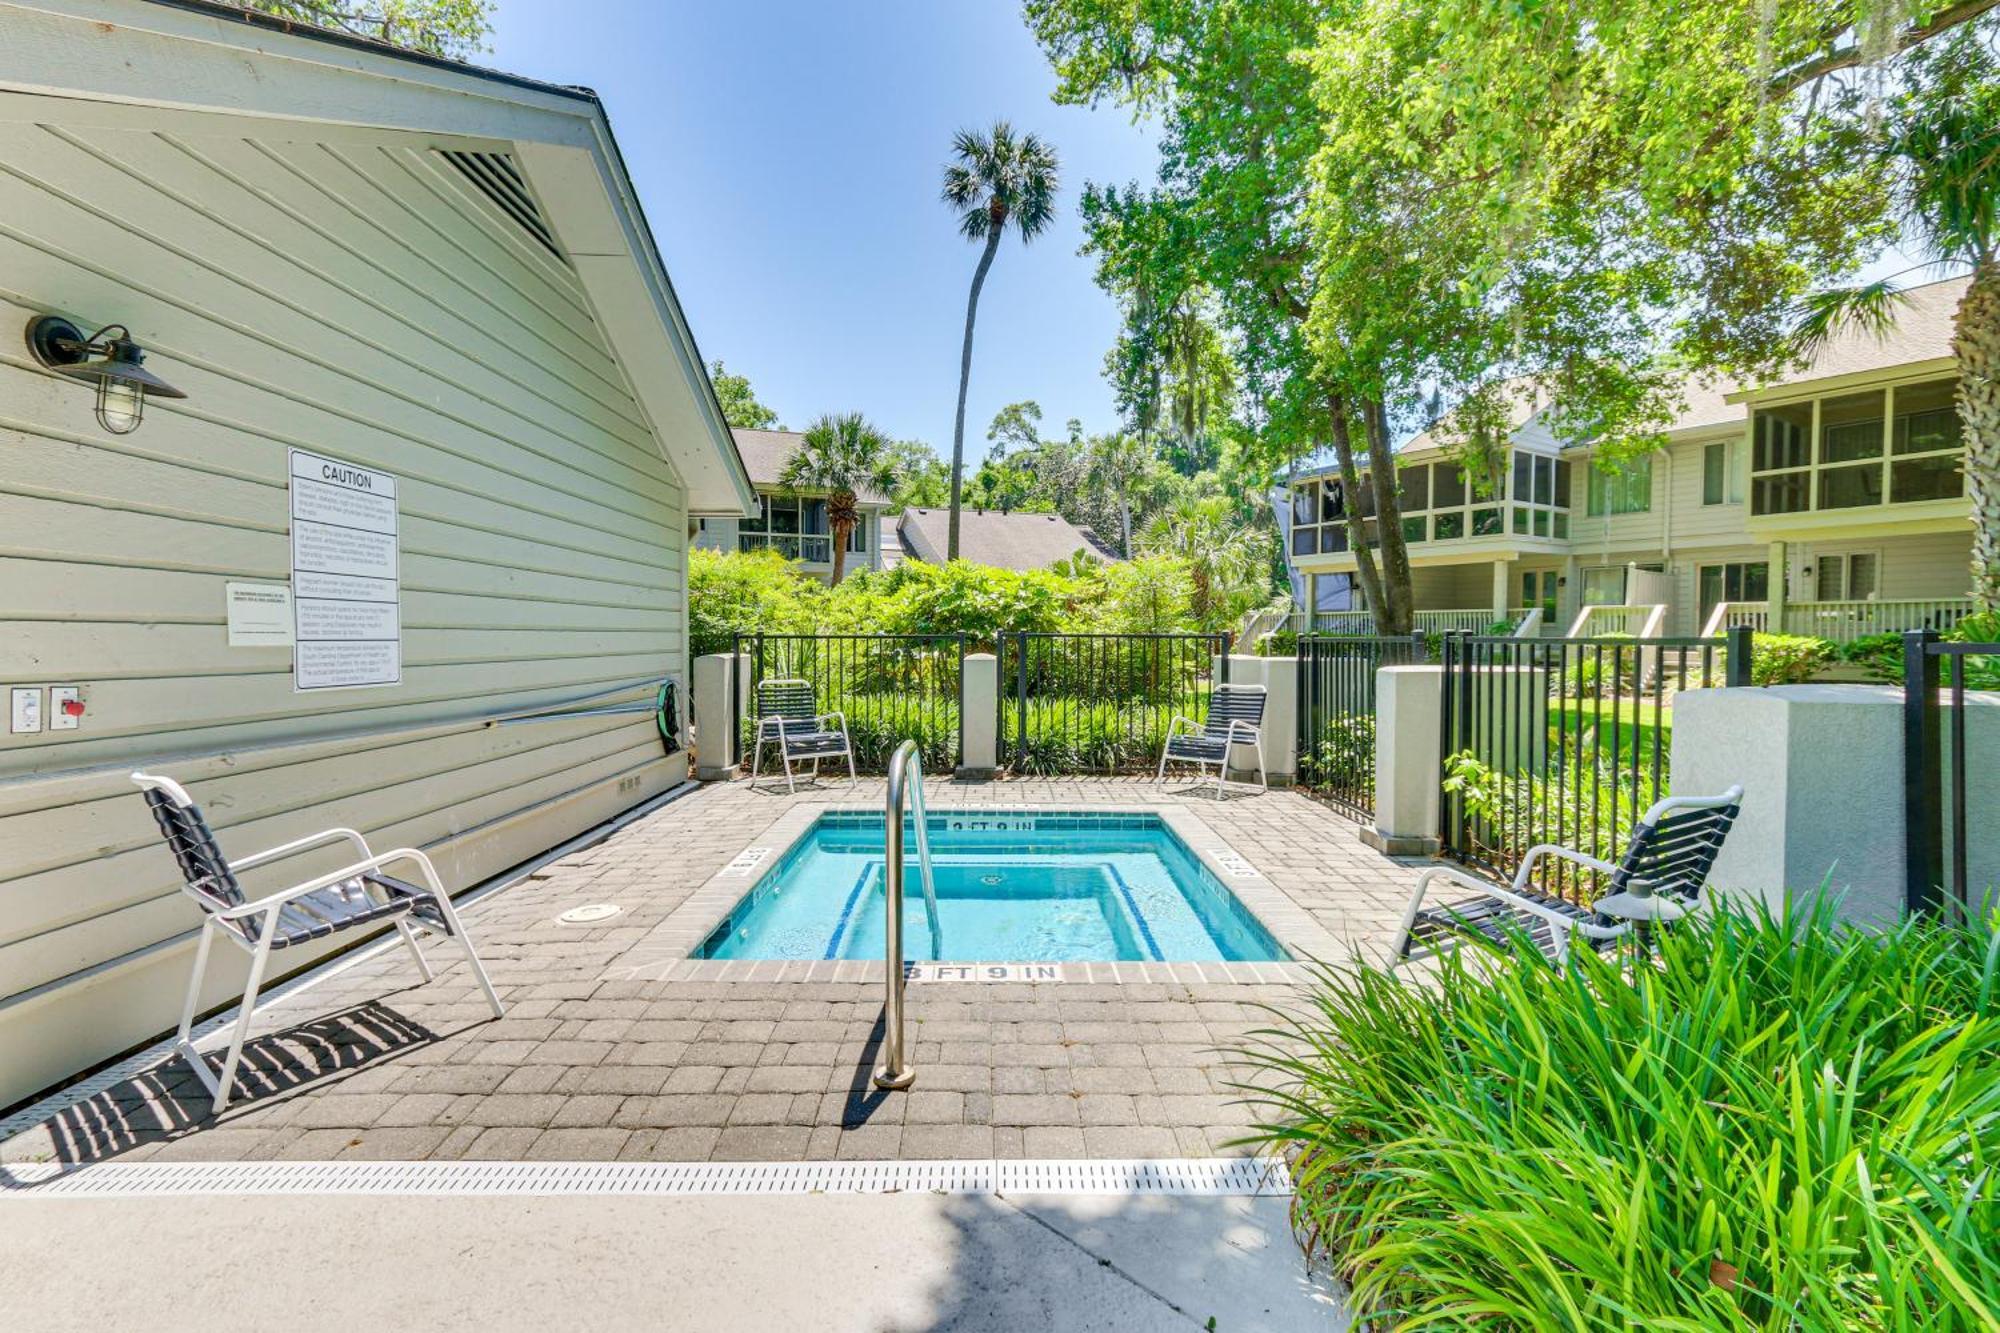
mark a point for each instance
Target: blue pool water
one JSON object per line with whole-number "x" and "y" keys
{"x": 1025, "y": 888}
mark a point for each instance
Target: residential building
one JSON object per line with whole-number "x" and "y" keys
{"x": 789, "y": 521}
{"x": 409, "y": 555}
{"x": 992, "y": 537}
{"x": 1830, "y": 502}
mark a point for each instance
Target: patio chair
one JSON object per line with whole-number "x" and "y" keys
{"x": 788, "y": 717}
{"x": 1660, "y": 878}
{"x": 1235, "y": 717}
{"x": 353, "y": 896}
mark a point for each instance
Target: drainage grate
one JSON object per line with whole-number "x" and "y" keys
{"x": 115, "y": 1180}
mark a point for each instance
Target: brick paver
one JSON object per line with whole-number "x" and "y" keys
{"x": 588, "y": 1065}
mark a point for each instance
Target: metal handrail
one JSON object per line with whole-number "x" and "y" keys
{"x": 894, "y": 1072}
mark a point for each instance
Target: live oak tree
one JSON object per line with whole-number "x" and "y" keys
{"x": 453, "y": 28}
{"x": 1742, "y": 162}
{"x": 740, "y": 407}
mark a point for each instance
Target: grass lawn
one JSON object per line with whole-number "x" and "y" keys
{"x": 1638, "y": 722}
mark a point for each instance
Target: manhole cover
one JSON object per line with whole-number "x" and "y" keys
{"x": 589, "y": 912}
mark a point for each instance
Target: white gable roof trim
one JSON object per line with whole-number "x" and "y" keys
{"x": 204, "y": 68}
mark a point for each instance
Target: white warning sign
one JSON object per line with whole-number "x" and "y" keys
{"x": 346, "y": 590}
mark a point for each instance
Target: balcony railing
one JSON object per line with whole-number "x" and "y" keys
{"x": 1844, "y": 622}
{"x": 1362, "y": 623}
{"x": 791, "y": 545}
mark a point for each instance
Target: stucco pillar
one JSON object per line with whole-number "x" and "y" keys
{"x": 1503, "y": 571}
{"x": 1408, "y": 776}
{"x": 1280, "y": 678}
{"x": 717, "y": 745}
{"x": 1821, "y": 768}
{"x": 979, "y": 718}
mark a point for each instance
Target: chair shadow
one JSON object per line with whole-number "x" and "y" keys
{"x": 168, "y": 1101}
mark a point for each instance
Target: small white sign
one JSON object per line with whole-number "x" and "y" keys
{"x": 260, "y": 615}
{"x": 346, "y": 590}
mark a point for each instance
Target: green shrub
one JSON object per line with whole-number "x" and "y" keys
{"x": 1595, "y": 805}
{"x": 1601, "y": 673}
{"x": 1788, "y": 659}
{"x": 1880, "y": 655}
{"x": 1501, "y": 629}
{"x": 1787, "y": 1125}
{"x": 1345, "y": 755}
{"x": 1082, "y": 734}
{"x": 1282, "y": 643}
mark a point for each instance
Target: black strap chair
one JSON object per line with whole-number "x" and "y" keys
{"x": 1659, "y": 879}
{"x": 1235, "y": 717}
{"x": 353, "y": 896}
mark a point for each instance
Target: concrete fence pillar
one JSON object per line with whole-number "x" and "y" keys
{"x": 979, "y": 715}
{"x": 1409, "y": 714}
{"x": 717, "y": 744}
{"x": 1822, "y": 773}
{"x": 1280, "y": 678}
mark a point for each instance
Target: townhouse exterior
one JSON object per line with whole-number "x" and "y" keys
{"x": 789, "y": 521}
{"x": 1828, "y": 503}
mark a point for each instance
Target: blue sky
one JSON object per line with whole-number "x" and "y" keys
{"x": 788, "y": 156}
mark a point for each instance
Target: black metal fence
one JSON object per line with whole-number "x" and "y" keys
{"x": 1939, "y": 783}
{"x": 1563, "y": 741}
{"x": 1072, "y": 703}
{"x": 1336, "y": 713}
{"x": 890, "y": 687}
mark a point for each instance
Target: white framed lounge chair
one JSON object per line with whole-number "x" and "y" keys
{"x": 1660, "y": 878}
{"x": 353, "y": 896}
{"x": 788, "y": 717}
{"x": 1235, "y": 717}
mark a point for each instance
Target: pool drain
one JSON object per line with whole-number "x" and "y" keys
{"x": 589, "y": 913}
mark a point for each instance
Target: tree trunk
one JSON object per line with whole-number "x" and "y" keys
{"x": 1976, "y": 344}
{"x": 1398, "y": 616}
{"x": 964, "y": 382}
{"x": 1125, "y": 523}
{"x": 841, "y": 530}
{"x": 1357, "y": 529}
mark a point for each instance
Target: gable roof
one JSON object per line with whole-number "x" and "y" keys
{"x": 200, "y": 67}
{"x": 765, "y": 453}
{"x": 989, "y": 537}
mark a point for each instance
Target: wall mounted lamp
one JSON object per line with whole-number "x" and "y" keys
{"x": 109, "y": 359}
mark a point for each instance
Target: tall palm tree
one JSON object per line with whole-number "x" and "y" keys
{"x": 1116, "y": 463}
{"x": 1948, "y": 148}
{"x": 995, "y": 180}
{"x": 840, "y": 455}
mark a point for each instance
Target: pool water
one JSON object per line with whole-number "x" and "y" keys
{"x": 1010, "y": 888}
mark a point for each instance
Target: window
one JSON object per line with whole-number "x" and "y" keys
{"x": 794, "y": 528}
{"x": 1604, "y": 585}
{"x": 857, "y": 537}
{"x": 1719, "y": 478}
{"x": 1857, "y": 451}
{"x": 1629, "y": 490}
{"x": 1748, "y": 581}
{"x": 1415, "y": 484}
{"x": 1848, "y": 576}
{"x": 1538, "y": 588}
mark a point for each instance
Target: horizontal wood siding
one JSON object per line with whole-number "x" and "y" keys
{"x": 359, "y": 301}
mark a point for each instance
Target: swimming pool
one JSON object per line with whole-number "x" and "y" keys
{"x": 1037, "y": 887}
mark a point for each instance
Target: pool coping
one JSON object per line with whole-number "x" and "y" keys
{"x": 664, "y": 954}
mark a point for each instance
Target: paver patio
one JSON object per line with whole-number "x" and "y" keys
{"x": 599, "y": 1060}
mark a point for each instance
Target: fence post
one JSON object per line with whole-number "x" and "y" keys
{"x": 1740, "y": 648}
{"x": 1923, "y": 811}
{"x": 1420, "y": 646}
{"x": 1021, "y": 698}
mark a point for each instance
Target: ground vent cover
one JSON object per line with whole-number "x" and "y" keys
{"x": 115, "y": 1180}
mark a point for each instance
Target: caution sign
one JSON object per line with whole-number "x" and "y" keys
{"x": 346, "y": 584}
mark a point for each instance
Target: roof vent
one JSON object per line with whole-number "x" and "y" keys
{"x": 497, "y": 178}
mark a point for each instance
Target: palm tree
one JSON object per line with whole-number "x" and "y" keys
{"x": 996, "y": 180}
{"x": 1225, "y": 555}
{"x": 1948, "y": 149}
{"x": 1116, "y": 463}
{"x": 840, "y": 455}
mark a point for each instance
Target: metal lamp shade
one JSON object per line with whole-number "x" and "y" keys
{"x": 123, "y": 363}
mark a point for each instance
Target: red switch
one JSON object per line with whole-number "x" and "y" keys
{"x": 72, "y": 707}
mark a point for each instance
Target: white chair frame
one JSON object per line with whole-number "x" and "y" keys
{"x": 771, "y": 731}
{"x": 1240, "y": 733}
{"x": 1631, "y": 907}
{"x": 268, "y": 907}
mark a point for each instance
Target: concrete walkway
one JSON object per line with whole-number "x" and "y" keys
{"x": 821, "y": 1262}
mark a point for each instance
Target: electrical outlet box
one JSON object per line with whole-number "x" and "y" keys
{"x": 65, "y": 707}
{"x": 25, "y": 713}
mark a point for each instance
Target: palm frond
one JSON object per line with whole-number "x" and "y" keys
{"x": 1824, "y": 315}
